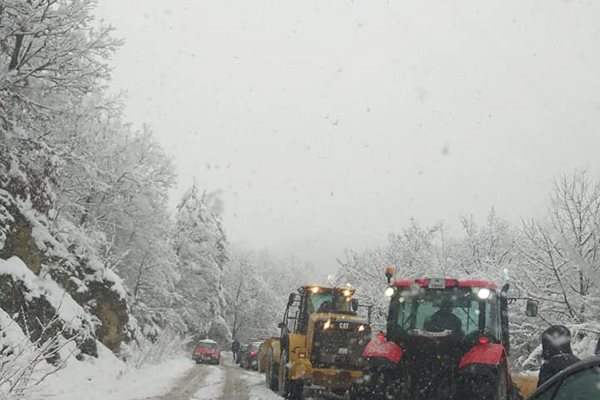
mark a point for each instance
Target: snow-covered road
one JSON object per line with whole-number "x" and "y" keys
{"x": 223, "y": 382}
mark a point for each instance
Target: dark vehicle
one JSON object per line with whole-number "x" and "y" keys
{"x": 240, "y": 353}
{"x": 207, "y": 351}
{"x": 580, "y": 381}
{"x": 446, "y": 339}
{"x": 249, "y": 358}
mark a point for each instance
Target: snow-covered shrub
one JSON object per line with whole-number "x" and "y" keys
{"x": 146, "y": 351}
{"x": 23, "y": 363}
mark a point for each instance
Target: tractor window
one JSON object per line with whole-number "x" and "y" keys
{"x": 435, "y": 311}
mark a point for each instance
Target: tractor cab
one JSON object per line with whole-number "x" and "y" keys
{"x": 446, "y": 339}
{"x": 437, "y": 322}
{"x": 460, "y": 313}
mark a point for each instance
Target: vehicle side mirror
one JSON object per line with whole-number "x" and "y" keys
{"x": 532, "y": 308}
{"x": 291, "y": 299}
{"x": 354, "y": 304}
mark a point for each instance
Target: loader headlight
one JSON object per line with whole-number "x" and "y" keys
{"x": 389, "y": 292}
{"x": 361, "y": 328}
{"x": 327, "y": 324}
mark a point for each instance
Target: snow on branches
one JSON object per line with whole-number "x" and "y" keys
{"x": 554, "y": 260}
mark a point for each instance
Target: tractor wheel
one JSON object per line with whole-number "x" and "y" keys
{"x": 504, "y": 392}
{"x": 487, "y": 388}
{"x": 271, "y": 372}
{"x": 288, "y": 388}
{"x": 363, "y": 392}
{"x": 496, "y": 388}
{"x": 377, "y": 385}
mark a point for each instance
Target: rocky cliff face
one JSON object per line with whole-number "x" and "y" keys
{"x": 56, "y": 289}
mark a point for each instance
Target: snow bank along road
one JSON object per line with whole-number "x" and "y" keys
{"x": 223, "y": 382}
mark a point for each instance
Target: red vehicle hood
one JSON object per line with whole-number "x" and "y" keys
{"x": 206, "y": 350}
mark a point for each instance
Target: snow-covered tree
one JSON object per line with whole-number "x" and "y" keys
{"x": 257, "y": 286}
{"x": 559, "y": 263}
{"x": 82, "y": 193}
{"x": 200, "y": 244}
{"x": 414, "y": 253}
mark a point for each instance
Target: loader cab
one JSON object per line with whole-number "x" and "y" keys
{"x": 311, "y": 299}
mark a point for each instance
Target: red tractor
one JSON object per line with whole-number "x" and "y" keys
{"x": 446, "y": 339}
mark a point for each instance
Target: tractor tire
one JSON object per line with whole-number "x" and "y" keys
{"x": 380, "y": 384}
{"x": 363, "y": 392}
{"x": 288, "y": 388}
{"x": 272, "y": 373}
{"x": 484, "y": 388}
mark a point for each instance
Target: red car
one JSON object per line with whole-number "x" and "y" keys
{"x": 207, "y": 352}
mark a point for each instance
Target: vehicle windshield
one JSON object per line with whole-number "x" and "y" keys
{"x": 458, "y": 311}
{"x": 208, "y": 345}
{"x": 327, "y": 302}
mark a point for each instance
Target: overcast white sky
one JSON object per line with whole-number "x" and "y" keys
{"x": 328, "y": 124}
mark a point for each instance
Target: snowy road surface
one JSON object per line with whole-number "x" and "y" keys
{"x": 223, "y": 382}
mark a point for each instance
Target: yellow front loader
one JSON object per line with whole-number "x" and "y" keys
{"x": 321, "y": 343}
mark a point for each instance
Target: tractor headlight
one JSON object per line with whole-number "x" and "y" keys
{"x": 327, "y": 324}
{"x": 484, "y": 293}
{"x": 361, "y": 328}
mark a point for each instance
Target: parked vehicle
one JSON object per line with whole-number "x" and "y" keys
{"x": 207, "y": 351}
{"x": 249, "y": 359}
{"x": 446, "y": 339}
{"x": 580, "y": 381}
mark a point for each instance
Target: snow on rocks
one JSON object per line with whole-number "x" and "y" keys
{"x": 71, "y": 313}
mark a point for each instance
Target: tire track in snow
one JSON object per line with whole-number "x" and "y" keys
{"x": 187, "y": 385}
{"x": 234, "y": 388}
{"x": 214, "y": 385}
{"x": 257, "y": 388}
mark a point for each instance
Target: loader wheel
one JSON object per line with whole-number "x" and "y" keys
{"x": 271, "y": 373}
{"x": 288, "y": 388}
